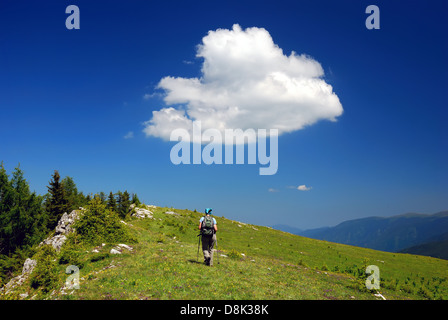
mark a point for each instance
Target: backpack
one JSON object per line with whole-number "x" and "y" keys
{"x": 207, "y": 228}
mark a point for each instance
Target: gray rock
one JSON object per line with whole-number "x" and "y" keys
{"x": 114, "y": 251}
{"x": 141, "y": 212}
{"x": 28, "y": 266}
{"x": 119, "y": 248}
{"x": 125, "y": 246}
{"x": 64, "y": 227}
{"x": 65, "y": 223}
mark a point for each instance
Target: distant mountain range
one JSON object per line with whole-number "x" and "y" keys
{"x": 414, "y": 233}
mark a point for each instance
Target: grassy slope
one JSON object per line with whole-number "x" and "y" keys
{"x": 275, "y": 265}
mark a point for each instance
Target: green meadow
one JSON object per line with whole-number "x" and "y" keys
{"x": 250, "y": 262}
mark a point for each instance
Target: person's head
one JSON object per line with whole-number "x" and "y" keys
{"x": 208, "y": 211}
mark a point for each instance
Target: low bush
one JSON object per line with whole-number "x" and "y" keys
{"x": 71, "y": 252}
{"x": 98, "y": 224}
{"x": 233, "y": 254}
{"x": 44, "y": 275}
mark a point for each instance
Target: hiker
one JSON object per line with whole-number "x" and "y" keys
{"x": 208, "y": 228}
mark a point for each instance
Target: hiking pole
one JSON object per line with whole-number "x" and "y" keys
{"x": 216, "y": 242}
{"x": 199, "y": 241}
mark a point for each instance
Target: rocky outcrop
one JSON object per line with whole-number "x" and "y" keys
{"x": 65, "y": 224}
{"x": 119, "y": 248}
{"x": 62, "y": 230}
{"x": 64, "y": 227}
{"x": 141, "y": 212}
{"x": 28, "y": 267}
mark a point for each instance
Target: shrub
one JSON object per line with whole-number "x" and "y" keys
{"x": 71, "y": 252}
{"x": 301, "y": 263}
{"x": 99, "y": 224}
{"x": 424, "y": 292}
{"x": 99, "y": 257}
{"x": 182, "y": 229}
{"x": 234, "y": 254}
{"x": 160, "y": 238}
{"x": 170, "y": 222}
{"x": 44, "y": 275}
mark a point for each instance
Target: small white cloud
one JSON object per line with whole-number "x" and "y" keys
{"x": 129, "y": 135}
{"x": 246, "y": 82}
{"x": 273, "y": 190}
{"x": 148, "y": 96}
{"x": 303, "y": 188}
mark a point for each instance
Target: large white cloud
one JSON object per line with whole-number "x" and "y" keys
{"x": 247, "y": 82}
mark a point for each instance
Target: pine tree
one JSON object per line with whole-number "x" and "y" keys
{"x": 123, "y": 203}
{"x": 37, "y": 223}
{"x": 111, "y": 202}
{"x": 102, "y": 197}
{"x": 119, "y": 196}
{"x": 21, "y": 216}
{"x": 57, "y": 202}
{"x": 18, "y": 217}
{"x": 135, "y": 199}
{"x": 5, "y": 192}
{"x": 75, "y": 199}
{"x": 82, "y": 200}
{"x": 6, "y": 203}
{"x": 71, "y": 193}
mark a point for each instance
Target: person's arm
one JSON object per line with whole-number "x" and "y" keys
{"x": 200, "y": 226}
{"x": 215, "y": 226}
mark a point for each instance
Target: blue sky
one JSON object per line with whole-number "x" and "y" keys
{"x": 68, "y": 98}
